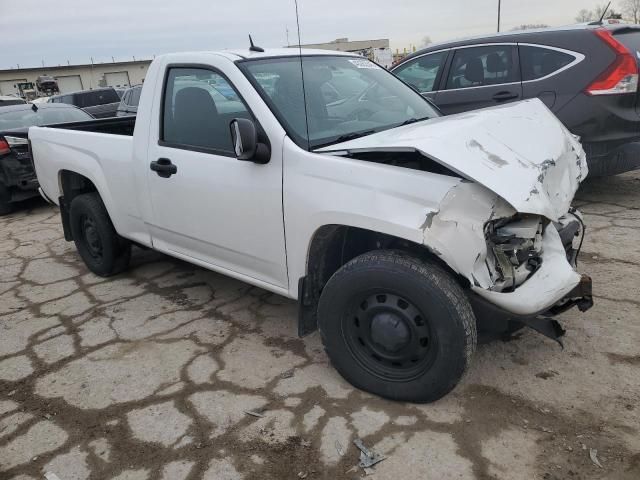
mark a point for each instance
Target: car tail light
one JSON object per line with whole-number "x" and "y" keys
{"x": 621, "y": 76}
{"x": 4, "y": 147}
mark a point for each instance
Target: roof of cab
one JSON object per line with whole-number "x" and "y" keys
{"x": 242, "y": 54}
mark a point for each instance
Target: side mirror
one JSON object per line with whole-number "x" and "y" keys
{"x": 246, "y": 146}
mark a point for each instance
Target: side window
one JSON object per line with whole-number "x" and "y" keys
{"x": 199, "y": 105}
{"x": 422, "y": 72}
{"x": 538, "y": 62}
{"x": 480, "y": 66}
{"x": 134, "y": 99}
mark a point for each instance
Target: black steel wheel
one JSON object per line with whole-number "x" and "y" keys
{"x": 389, "y": 336}
{"x": 397, "y": 326}
{"x": 104, "y": 251}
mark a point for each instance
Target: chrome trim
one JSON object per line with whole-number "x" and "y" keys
{"x": 578, "y": 58}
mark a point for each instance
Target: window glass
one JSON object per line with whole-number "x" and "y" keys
{"x": 43, "y": 116}
{"x": 422, "y": 72}
{"x": 537, "y": 62}
{"x": 199, "y": 105}
{"x": 125, "y": 98}
{"x": 96, "y": 97}
{"x": 346, "y": 97}
{"x": 479, "y": 66}
{"x": 134, "y": 98}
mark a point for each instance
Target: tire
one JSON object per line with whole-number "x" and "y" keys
{"x": 5, "y": 200}
{"x": 424, "y": 330}
{"x": 104, "y": 251}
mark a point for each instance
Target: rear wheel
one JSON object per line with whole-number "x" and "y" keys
{"x": 104, "y": 251}
{"x": 5, "y": 200}
{"x": 397, "y": 326}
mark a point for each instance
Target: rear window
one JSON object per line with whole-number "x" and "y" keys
{"x": 538, "y": 62}
{"x": 96, "y": 97}
{"x": 135, "y": 97}
{"x": 631, "y": 40}
{"x": 43, "y": 116}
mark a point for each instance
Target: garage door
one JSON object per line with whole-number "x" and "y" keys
{"x": 7, "y": 86}
{"x": 69, "y": 83}
{"x": 117, "y": 79}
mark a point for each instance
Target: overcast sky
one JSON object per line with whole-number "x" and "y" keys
{"x": 33, "y": 31}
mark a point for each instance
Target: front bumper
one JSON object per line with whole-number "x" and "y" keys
{"x": 493, "y": 321}
{"x": 553, "y": 281}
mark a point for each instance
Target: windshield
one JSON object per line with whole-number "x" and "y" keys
{"x": 346, "y": 97}
{"x": 44, "y": 116}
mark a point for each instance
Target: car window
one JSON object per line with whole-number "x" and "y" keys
{"x": 96, "y": 97}
{"x": 125, "y": 98}
{"x": 343, "y": 97}
{"x": 481, "y": 66}
{"x": 134, "y": 99}
{"x": 421, "y": 72}
{"x": 199, "y": 105}
{"x": 538, "y": 62}
{"x": 42, "y": 116}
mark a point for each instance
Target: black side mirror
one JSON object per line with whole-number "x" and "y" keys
{"x": 246, "y": 146}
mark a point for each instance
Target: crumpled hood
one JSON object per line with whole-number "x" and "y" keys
{"x": 520, "y": 151}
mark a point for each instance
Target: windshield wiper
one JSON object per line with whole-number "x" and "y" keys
{"x": 346, "y": 137}
{"x": 413, "y": 120}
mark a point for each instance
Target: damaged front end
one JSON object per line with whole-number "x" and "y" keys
{"x": 521, "y": 268}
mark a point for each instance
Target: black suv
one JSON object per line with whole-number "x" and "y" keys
{"x": 586, "y": 74}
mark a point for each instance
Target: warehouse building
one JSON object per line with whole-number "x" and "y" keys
{"x": 377, "y": 50}
{"x": 72, "y": 78}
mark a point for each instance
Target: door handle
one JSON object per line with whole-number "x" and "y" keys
{"x": 163, "y": 167}
{"x": 502, "y": 96}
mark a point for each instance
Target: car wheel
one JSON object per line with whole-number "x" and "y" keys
{"x": 5, "y": 200}
{"x": 104, "y": 251}
{"x": 397, "y": 326}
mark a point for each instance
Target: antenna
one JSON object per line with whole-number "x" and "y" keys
{"x": 253, "y": 48}
{"x": 304, "y": 92}
{"x": 604, "y": 12}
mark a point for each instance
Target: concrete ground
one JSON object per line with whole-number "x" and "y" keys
{"x": 149, "y": 375}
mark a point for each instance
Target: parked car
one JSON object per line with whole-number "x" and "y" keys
{"x": 99, "y": 102}
{"x": 17, "y": 177}
{"x": 129, "y": 103}
{"x": 6, "y": 100}
{"x": 587, "y": 75}
{"x": 405, "y": 232}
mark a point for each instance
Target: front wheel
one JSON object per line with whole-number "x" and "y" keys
{"x": 104, "y": 251}
{"x": 397, "y": 326}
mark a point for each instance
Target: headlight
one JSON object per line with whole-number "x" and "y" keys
{"x": 514, "y": 250}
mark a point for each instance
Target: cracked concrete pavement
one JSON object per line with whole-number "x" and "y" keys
{"x": 149, "y": 375}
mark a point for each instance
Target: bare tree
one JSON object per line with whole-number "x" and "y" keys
{"x": 426, "y": 41}
{"x": 584, "y": 16}
{"x": 631, "y": 8}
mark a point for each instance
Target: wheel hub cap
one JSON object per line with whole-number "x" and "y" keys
{"x": 389, "y": 331}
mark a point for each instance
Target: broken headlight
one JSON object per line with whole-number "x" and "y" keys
{"x": 514, "y": 250}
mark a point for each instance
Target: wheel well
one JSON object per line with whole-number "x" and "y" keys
{"x": 72, "y": 184}
{"x": 332, "y": 247}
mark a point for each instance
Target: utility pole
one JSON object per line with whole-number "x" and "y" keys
{"x": 499, "y": 2}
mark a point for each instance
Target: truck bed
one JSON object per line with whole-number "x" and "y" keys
{"x": 112, "y": 125}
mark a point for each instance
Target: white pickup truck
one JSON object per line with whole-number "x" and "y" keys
{"x": 324, "y": 178}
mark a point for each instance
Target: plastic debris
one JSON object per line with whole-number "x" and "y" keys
{"x": 339, "y": 448}
{"x": 593, "y": 455}
{"x": 368, "y": 458}
{"x": 51, "y": 476}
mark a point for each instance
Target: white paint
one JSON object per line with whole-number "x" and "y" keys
{"x": 505, "y": 148}
{"x": 256, "y": 222}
